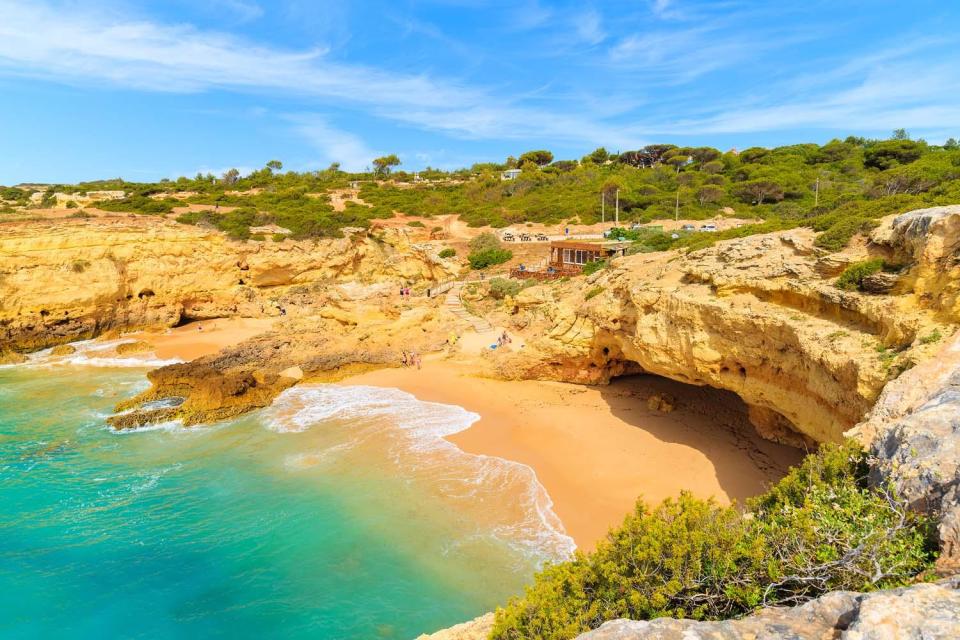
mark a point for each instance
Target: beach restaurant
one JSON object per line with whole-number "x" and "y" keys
{"x": 567, "y": 258}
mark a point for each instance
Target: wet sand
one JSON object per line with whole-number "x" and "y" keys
{"x": 597, "y": 449}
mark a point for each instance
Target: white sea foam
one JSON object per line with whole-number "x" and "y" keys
{"x": 419, "y": 429}
{"x": 169, "y": 425}
{"x": 96, "y": 353}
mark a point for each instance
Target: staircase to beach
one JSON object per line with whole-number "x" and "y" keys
{"x": 455, "y": 305}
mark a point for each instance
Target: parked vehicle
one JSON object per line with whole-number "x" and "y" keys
{"x": 708, "y": 228}
{"x": 542, "y": 237}
{"x": 688, "y": 227}
{"x": 525, "y": 237}
{"x": 508, "y": 237}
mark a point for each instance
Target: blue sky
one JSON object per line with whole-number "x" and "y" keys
{"x": 151, "y": 89}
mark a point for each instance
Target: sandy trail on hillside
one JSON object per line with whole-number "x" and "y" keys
{"x": 597, "y": 449}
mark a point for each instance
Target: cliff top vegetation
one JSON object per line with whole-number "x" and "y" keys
{"x": 839, "y": 189}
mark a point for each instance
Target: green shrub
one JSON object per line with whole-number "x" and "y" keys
{"x": 819, "y": 529}
{"x": 593, "y": 266}
{"x": 138, "y": 204}
{"x": 837, "y": 236}
{"x": 500, "y": 288}
{"x": 488, "y": 257}
{"x": 485, "y": 242}
{"x": 933, "y": 336}
{"x": 447, "y": 253}
{"x": 279, "y": 237}
{"x": 416, "y": 223}
{"x": 593, "y": 293}
{"x": 852, "y": 277}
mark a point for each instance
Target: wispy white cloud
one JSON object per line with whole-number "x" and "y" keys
{"x": 80, "y": 48}
{"x": 333, "y": 145}
{"x": 589, "y": 27}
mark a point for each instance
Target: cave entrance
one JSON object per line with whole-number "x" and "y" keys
{"x": 715, "y": 423}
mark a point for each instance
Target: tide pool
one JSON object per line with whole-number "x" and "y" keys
{"x": 338, "y": 513}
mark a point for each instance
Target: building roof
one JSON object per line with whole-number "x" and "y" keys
{"x": 586, "y": 244}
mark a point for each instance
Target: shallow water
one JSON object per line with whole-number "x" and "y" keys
{"x": 339, "y": 512}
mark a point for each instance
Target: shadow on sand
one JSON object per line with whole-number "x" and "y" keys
{"x": 709, "y": 420}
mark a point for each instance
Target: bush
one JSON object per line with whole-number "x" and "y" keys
{"x": 593, "y": 293}
{"x": 447, "y": 253}
{"x": 852, "y": 277}
{"x": 838, "y": 236}
{"x": 416, "y": 223}
{"x": 484, "y": 242}
{"x": 593, "y": 266}
{"x": 819, "y": 529}
{"x": 500, "y": 288}
{"x": 488, "y": 257}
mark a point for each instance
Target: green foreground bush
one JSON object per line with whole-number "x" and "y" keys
{"x": 488, "y": 257}
{"x": 500, "y": 288}
{"x": 852, "y": 277}
{"x": 820, "y": 528}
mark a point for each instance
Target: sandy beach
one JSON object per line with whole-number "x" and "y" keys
{"x": 597, "y": 449}
{"x": 202, "y": 338}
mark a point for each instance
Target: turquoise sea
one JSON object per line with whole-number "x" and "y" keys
{"x": 339, "y": 512}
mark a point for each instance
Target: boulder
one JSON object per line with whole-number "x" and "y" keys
{"x": 63, "y": 350}
{"x": 928, "y": 611}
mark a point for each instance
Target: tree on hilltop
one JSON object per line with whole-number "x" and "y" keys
{"x": 384, "y": 164}
{"x": 540, "y": 157}
{"x": 274, "y": 165}
{"x": 230, "y": 177}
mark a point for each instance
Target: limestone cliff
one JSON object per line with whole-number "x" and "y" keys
{"x": 760, "y": 316}
{"x": 70, "y": 279}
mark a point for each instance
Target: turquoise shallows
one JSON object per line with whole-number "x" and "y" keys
{"x": 298, "y": 521}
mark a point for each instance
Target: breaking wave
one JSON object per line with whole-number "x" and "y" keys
{"x": 504, "y": 495}
{"x": 96, "y": 353}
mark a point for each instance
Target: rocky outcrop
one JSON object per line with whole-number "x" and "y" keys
{"x": 759, "y": 316}
{"x": 250, "y": 375}
{"x": 73, "y": 279}
{"x": 913, "y": 434}
{"x": 927, "y": 611}
{"x": 476, "y": 629}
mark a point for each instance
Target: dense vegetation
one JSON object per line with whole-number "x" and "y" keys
{"x": 838, "y": 189}
{"x": 486, "y": 251}
{"x": 819, "y": 529}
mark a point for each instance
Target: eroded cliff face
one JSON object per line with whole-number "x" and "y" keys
{"x": 759, "y": 316}
{"x": 73, "y": 279}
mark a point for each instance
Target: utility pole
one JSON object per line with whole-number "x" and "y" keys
{"x": 816, "y": 196}
{"x": 603, "y": 202}
{"x": 617, "y": 223}
{"x": 676, "y": 210}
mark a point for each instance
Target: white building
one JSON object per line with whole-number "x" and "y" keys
{"x": 510, "y": 174}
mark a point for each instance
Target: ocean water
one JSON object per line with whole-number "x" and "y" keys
{"x": 340, "y": 512}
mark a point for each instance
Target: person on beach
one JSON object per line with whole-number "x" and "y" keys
{"x": 403, "y": 358}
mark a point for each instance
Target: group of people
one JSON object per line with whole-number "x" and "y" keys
{"x": 404, "y": 292}
{"x": 411, "y": 359}
{"x": 504, "y": 339}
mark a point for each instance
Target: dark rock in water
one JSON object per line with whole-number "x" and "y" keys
{"x": 11, "y": 357}
{"x": 928, "y": 611}
{"x": 140, "y": 417}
